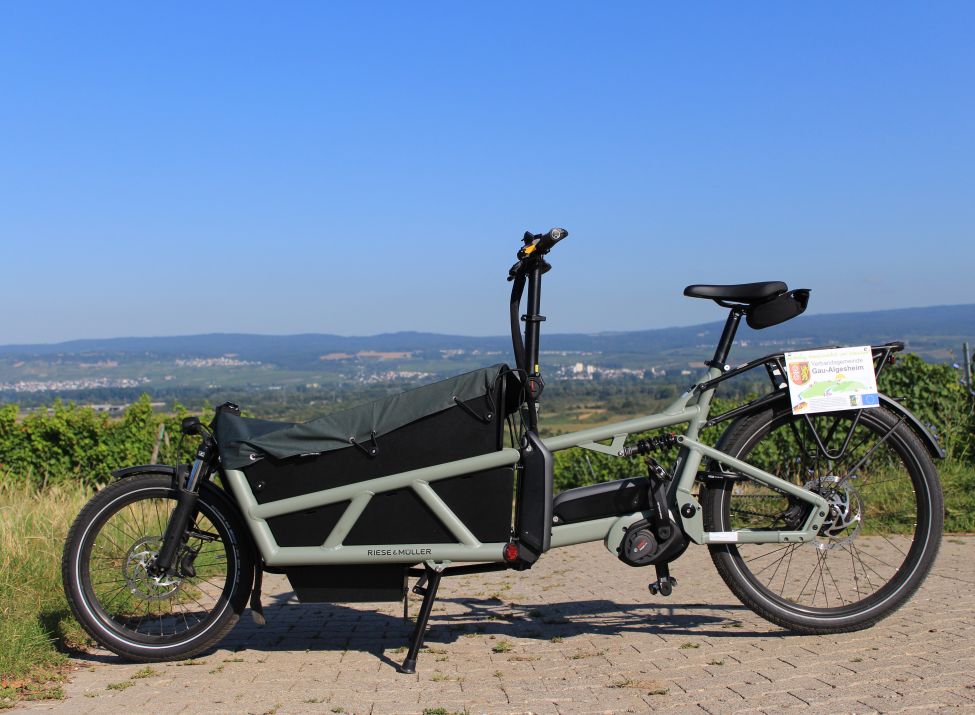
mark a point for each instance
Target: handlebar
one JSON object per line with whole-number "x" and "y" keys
{"x": 536, "y": 246}
{"x": 541, "y": 243}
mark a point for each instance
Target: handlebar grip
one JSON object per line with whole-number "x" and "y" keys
{"x": 539, "y": 244}
{"x": 546, "y": 241}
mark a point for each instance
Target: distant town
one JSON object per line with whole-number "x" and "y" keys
{"x": 305, "y": 368}
{"x": 93, "y": 383}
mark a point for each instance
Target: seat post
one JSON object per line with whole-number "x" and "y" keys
{"x": 720, "y": 358}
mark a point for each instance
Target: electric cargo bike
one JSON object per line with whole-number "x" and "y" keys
{"x": 821, "y": 523}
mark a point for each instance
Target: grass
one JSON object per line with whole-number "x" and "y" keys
{"x": 958, "y": 484}
{"x": 10, "y": 695}
{"x": 34, "y": 615}
{"x": 652, "y": 687}
{"x": 579, "y": 655}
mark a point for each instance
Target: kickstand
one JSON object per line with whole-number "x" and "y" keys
{"x": 429, "y": 592}
{"x": 257, "y": 608}
{"x": 418, "y": 588}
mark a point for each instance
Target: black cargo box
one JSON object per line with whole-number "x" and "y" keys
{"x": 442, "y": 422}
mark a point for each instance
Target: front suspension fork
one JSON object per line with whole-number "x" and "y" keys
{"x": 187, "y": 494}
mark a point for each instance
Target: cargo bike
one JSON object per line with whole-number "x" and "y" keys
{"x": 820, "y": 523}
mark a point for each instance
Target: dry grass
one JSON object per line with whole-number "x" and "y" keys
{"x": 34, "y": 615}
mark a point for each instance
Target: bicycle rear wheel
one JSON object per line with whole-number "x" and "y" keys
{"x": 874, "y": 547}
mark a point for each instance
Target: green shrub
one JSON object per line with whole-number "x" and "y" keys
{"x": 69, "y": 443}
{"x": 934, "y": 393}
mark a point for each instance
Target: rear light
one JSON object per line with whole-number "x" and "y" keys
{"x": 510, "y": 552}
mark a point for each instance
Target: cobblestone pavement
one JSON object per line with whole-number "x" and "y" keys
{"x": 579, "y": 633}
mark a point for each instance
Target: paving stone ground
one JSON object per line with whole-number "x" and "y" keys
{"x": 579, "y": 633}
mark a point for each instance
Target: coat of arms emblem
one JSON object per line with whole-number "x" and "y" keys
{"x": 800, "y": 373}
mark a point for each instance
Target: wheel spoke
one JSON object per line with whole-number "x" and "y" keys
{"x": 803, "y": 590}
{"x": 792, "y": 548}
{"x": 831, "y": 578}
{"x": 856, "y": 581}
{"x": 868, "y": 567}
{"x": 788, "y": 566}
{"x": 893, "y": 545}
{"x": 770, "y": 553}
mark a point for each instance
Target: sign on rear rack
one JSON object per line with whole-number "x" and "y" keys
{"x": 830, "y": 380}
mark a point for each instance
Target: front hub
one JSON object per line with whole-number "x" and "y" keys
{"x": 140, "y": 574}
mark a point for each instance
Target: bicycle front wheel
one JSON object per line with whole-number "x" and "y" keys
{"x": 874, "y": 547}
{"x": 114, "y": 592}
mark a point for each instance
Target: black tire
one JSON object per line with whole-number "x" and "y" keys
{"x": 874, "y": 548}
{"x": 108, "y": 587}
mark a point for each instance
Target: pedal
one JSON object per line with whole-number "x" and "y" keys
{"x": 664, "y": 586}
{"x": 665, "y": 583}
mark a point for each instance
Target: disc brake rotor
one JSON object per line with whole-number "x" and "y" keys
{"x": 842, "y": 522}
{"x": 136, "y": 571}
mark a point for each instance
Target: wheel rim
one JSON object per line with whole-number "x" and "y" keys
{"x": 870, "y": 543}
{"x": 119, "y": 589}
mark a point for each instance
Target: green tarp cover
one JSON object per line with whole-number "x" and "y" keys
{"x": 243, "y": 440}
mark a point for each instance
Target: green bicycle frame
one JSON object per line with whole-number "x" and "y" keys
{"x": 691, "y": 408}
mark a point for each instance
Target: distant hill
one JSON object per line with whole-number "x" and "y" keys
{"x": 118, "y": 368}
{"x": 932, "y": 332}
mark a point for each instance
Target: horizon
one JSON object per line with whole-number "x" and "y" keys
{"x": 505, "y": 336}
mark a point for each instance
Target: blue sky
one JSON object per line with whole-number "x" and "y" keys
{"x": 369, "y": 167}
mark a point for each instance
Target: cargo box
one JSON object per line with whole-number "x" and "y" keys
{"x": 442, "y": 422}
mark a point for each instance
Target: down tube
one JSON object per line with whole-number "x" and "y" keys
{"x": 678, "y": 412}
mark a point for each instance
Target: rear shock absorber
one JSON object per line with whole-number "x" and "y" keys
{"x": 651, "y": 444}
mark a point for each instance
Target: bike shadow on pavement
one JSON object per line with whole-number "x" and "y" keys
{"x": 331, "y": 626}
{"x": 337, "y": 627}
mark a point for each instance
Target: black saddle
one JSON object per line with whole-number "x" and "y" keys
{"x": 748, "y": 293}
{"x": 764, "y": 304}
